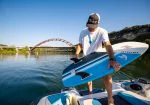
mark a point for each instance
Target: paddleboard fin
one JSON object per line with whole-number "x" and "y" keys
{"x": 83, "y": 74}
{"x": 75, "y": 60}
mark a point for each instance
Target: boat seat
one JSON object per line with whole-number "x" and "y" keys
{"x": 57, "y": 99}
{"x": 71, "y": 100}
{"x": 134, "y": 98}
{"x": 67, "y": 99}
{"x": 89, "y": 102}
{"x": 62, "y": 99}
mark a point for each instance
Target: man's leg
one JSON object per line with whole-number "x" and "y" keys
{"x": 90, "y": 87}
{"x": 108, "y": 85}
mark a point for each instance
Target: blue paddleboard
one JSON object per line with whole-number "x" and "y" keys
{"x": 95, "y": 65}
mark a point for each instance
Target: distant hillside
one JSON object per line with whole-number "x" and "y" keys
{"x": 140, "y": 33}
{"x": 2, "y": 45}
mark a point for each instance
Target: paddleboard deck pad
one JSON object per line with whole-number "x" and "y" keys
{"x": 95, "y": 65}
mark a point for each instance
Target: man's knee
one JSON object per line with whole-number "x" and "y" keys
{"x": 107, "y": 77}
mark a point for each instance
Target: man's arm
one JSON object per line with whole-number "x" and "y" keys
{"x": 110, "y": 52}
{"x": 78, "y": 50}
{"x": 109, "y": 49}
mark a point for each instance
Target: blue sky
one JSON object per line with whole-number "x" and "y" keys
{"x": 28, "y": 22}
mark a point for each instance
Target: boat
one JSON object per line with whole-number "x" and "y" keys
{"x": 125, "y": 92}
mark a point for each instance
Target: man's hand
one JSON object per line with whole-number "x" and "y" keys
{"x": 114, "y": 64}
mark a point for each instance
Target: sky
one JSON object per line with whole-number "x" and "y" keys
{"x": 28, "y": 22}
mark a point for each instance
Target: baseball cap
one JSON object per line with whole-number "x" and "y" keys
{"x": 93, "y": 20}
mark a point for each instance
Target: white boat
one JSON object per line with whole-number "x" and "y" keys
{"x": 125, "y": 92}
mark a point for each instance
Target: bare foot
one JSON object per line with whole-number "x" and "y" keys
{"x": 111, "y": 101}
{"x": 90, "y": 93}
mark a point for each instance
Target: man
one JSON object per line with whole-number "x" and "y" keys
{"x": 91, "y": 40}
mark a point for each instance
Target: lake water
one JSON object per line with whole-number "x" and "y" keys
{"x": 25, "y": 79}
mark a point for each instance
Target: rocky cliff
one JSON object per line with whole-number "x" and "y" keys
{"x": 140, "y": 33}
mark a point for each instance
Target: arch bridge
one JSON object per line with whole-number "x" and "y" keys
{"x": 53, "y": 39}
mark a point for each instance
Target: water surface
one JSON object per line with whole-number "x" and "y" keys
{"x": 25, "y": 79}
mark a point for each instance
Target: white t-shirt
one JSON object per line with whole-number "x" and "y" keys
{"x": 92, "y": 41}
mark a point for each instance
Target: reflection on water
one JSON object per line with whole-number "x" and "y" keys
{"x": 24, "y": 79}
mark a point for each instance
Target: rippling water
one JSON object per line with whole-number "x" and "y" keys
{"x": 25, "y": 79}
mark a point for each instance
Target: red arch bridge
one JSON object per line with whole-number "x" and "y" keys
{"x": 53, "y": 39}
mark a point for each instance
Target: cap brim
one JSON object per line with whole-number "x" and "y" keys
{"x": 92, "y": 25}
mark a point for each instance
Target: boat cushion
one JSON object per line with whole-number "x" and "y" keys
{"x": 134, "y": 98}
{"x": 58, "y": 99}
{"x": 91, "y": 102}
{"x": 63, "y": 99}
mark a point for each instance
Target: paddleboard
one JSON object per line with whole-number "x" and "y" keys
{"x": 95, "y": 65}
